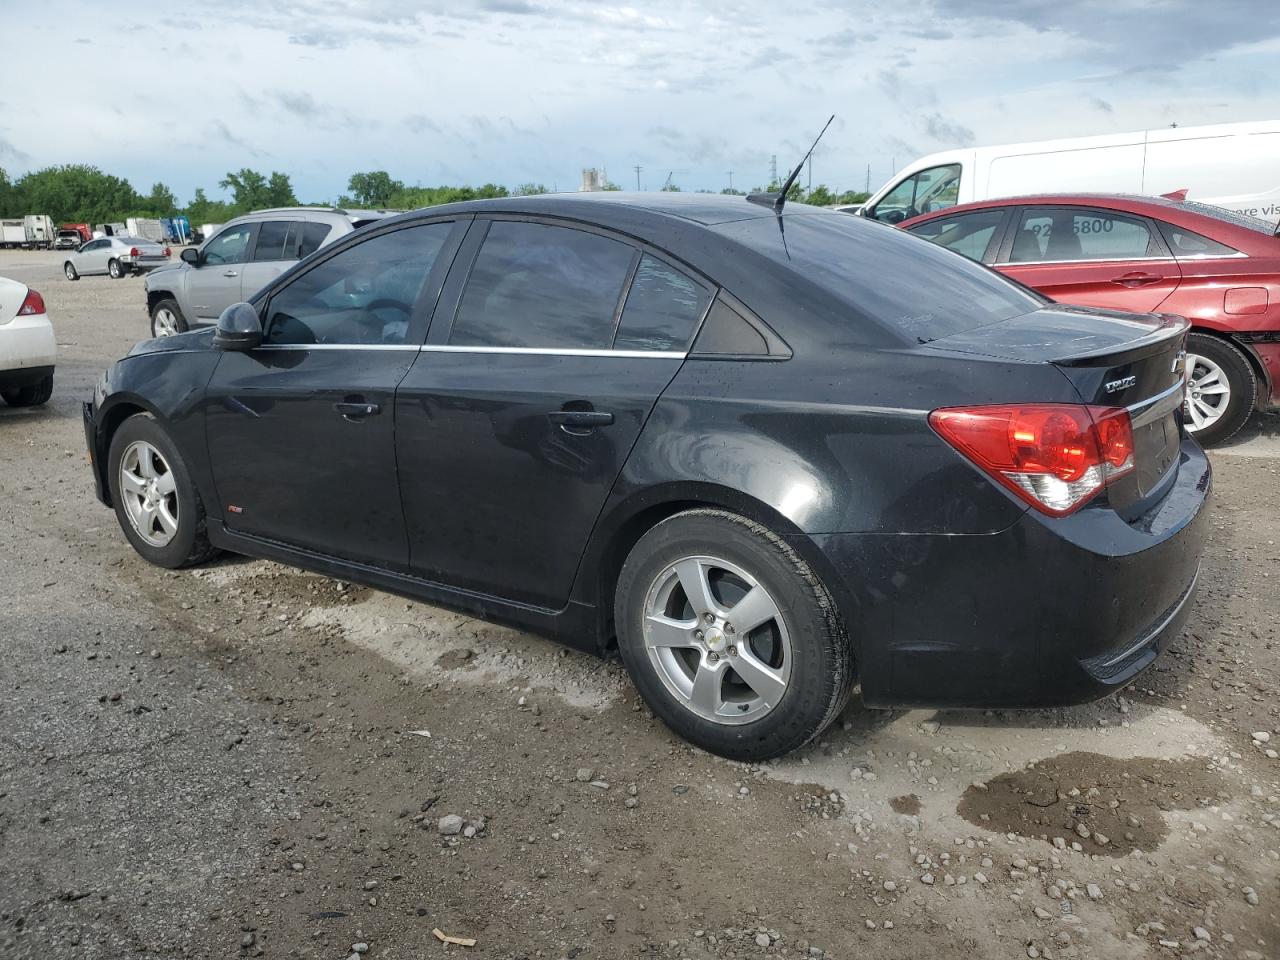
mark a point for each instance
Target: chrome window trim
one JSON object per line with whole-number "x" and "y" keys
{"x": 1055, "y": 263}
{"x": 457, "y": 348}
{"x": 337, "y": 346}
{"x": 555, "y": 351}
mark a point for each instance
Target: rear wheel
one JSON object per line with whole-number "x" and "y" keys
{"x": 1221, "y": 388}
{"x": 156, "y": 503}
{"x": 730, "y": 637}
{"x": 30, "y": 396}
{"x": 69, "y": 269}
{"x": 167, "y": 319}
{"x": 115, "y": 268}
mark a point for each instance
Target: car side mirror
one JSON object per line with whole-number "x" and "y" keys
{"x": 238, "y": 328}
{"x": 192, "y": 256}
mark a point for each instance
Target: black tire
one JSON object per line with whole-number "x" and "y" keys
{"x": 115, "y": 268}
{"x": 172, "y": 306}
{"x": 822, "y": 667}
{"x": 30, "y": 396}
{"x": 190, "y": 544}
{"x": 1240, "y": 378}
{"x": 70, "y": 270}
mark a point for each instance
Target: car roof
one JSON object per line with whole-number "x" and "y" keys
{"x": 615, "y": 207}
{"x": 1214, "y": 222}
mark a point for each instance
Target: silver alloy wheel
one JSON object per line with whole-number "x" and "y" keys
{"x": 166, "y": 323}
{"x": 114, "y": 268}
{"x": 717, "y": 640}
{"x": 1208, "y": 393}
{"x": 69, "y": 270}
{"x": 150, "y": 493}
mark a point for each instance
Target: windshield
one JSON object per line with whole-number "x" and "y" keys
{"x": 903, "y": 282}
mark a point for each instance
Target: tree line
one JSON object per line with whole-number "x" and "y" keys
{"x": 79, "y": 193}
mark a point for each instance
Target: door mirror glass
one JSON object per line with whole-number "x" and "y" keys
{"x": 192, "y": 256}
{"x": 238, "y": 328}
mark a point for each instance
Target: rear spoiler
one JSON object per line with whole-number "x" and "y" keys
{"x": 1172, "y": 327}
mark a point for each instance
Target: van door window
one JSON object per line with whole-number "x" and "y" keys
{"x": 933, "y": 189}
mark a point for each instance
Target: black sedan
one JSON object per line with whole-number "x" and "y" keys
{"x": 767, "y": 453}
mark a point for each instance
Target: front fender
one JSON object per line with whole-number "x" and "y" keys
{"x": 170, "y": 386}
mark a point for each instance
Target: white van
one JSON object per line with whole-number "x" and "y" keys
{"x": 1231, "y": 165}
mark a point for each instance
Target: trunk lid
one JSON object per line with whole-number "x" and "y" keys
{"x": 1113, "y": 359}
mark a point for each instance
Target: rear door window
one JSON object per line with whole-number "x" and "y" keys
{"x": 1063, "y": 235}
{"x": 274, "y": 241}
{"x": 364, "y": 295}
{"x": 663, "y": 307}
{"x": 543, "y": 286}
{"x": 969, "y": 234}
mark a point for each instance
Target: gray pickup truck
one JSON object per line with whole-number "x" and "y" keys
{"x": 246, "y": 254}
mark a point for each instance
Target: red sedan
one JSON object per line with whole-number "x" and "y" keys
{"x": 1145, "y": 254}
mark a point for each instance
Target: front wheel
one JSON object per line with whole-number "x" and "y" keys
{"x": 167, "y": 319}
{"x": 730, "y": 637}
{"x": 69, "y": 269}
{"x": 116, "y": 269}
{"x": 156, "y": 503}
{"x": 1221, "y": 389}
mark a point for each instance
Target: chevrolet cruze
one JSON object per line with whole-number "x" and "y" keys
{"x": 766, "y": 452}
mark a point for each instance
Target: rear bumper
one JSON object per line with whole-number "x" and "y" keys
{"x": 1049, "y": 612}
{"x": 18, "y": 377}
{"x": 144, "y": 264}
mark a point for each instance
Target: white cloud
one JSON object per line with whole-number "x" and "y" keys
{"x": 519, "y": 90}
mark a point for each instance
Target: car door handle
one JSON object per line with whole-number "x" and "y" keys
{"x": 357, "y": 411}
{"x": 230, "y": 273}
{"x": 1137, "y": 279}
{"x": 579, "y": 422}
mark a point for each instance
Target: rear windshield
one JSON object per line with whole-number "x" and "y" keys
{"x": 921, "y": 290}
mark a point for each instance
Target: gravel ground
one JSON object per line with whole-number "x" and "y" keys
{"x": 234, "y": 761}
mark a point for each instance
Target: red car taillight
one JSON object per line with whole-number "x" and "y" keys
{"x": 134, "y": 252}
{"x": 32, "y": 305}
{"x": 1055, "y": 456}
{"x": 166, "y": 251}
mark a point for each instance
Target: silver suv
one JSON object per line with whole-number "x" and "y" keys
{"x": 246, "y": 254}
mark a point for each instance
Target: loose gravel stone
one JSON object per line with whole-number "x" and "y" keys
{"x": 450, "y": 825}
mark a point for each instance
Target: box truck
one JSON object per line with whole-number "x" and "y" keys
{"x": 144, "y": 227}
{"x": 13, "y": 233}
{"x": 40, "y": 231}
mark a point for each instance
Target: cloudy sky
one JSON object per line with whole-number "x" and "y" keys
{"x": 439, "y": 91}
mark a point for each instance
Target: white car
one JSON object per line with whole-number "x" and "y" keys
{"x": 116, "y": 257}
{"x": 27, "y": 346}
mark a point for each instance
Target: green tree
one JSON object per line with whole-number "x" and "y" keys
{"x": 670, "y": 188}
{"x": 610, "y": 185}
{"x": 529, "y": 190}
{"x": 10, "y": 198}
{"x": 731, "y": 192}
{"x": 374, "y": 188}
{"x": 251, "y": 190}
{"x": 280, "y": 191}
{"x": 161, "y": 201}
{"x": 77, "y": 193}
{"x": 203, "y": 210}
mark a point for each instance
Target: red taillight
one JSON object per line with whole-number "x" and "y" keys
{"x": 166, "y": 251}
{"x": 32, "y": 305}
{"x": 134, "y": 252}
{"x": 1055, "y": 456}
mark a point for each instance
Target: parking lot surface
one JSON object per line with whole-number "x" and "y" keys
{"x": 245, "y": 760}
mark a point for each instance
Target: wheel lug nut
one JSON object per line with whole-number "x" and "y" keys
{"x": 713, "y": 657}
{"x": 697, "y": 634}
{"x": 709, "y": 618}
{"x": 728, "y": 628}
{"x": 733, "y": 651}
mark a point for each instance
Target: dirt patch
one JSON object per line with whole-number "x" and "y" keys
{"x": 283, "y": 586}
{"x": 456, "y": 659}
{"x": 908, "y": 803}
{"x": 1104, "y": 805}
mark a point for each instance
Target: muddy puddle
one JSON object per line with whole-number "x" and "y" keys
{"x": 1109, "y": 806}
